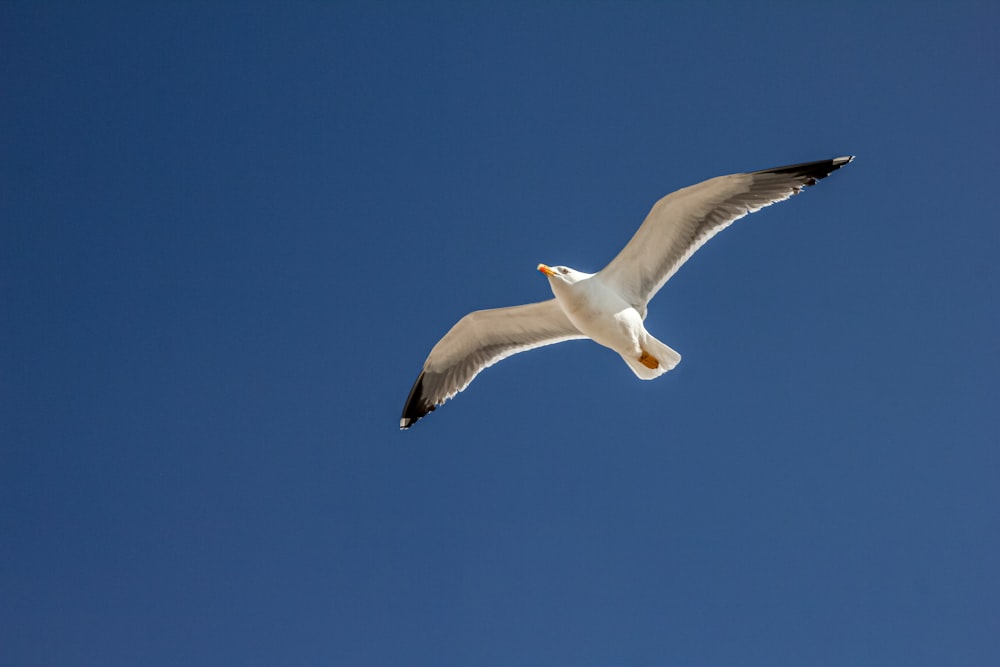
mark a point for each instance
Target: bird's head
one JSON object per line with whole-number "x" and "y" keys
{"x": 562, "y": 274}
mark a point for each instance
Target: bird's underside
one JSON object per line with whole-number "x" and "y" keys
{"x": 608, "y": 306}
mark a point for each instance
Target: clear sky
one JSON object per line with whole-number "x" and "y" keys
{"x": 231, "y": 233}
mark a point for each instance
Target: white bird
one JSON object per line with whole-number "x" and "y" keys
{"x": 608, "y": 307}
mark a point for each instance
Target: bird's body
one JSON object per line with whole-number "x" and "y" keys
{"x": 609, "y": 307}
{"x": 601, "y": 314}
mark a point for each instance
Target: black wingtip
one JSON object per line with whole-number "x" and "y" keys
{"x": 416, "y": 405}
{"x": 811, "y": 171}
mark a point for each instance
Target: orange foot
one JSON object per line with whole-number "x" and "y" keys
{"x": 649, "y": 361}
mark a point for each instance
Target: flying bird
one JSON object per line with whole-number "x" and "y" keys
{"x": 609, "y": 306}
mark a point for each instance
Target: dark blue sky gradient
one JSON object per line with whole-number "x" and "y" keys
{"x": 231, "y": 233}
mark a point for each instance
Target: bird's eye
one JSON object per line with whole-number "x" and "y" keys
{"x": 563, "y": 271}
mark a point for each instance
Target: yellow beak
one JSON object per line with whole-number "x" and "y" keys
{"x": 546, "y": 270}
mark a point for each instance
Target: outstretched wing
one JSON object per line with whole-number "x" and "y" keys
{"x": 477, "y": 341}
{"x": 683, "y": 221}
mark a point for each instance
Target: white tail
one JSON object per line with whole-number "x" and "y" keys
{"x": 666, "y": 357}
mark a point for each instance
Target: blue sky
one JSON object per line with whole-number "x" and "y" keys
{"x": 230, "y": 234}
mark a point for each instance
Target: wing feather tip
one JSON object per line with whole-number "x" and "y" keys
{"x": 809, "y": 172}
{"x": 416, "y": 405}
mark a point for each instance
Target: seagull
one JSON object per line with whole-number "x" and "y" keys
{"x": 609, "y": 306}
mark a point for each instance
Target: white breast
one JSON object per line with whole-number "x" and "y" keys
{"x": 600, "y": 313}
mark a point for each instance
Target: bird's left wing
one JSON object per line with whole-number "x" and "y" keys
{"x": 477, "y": 341}
{"x": 683, "y": 221}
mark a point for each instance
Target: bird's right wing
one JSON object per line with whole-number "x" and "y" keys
{"x": 477, "y": 341}
{"x": 684, "y": 220}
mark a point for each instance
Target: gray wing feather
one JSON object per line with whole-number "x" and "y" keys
{"x": 685, "y": 220}
{"x": 479, "y": 340}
